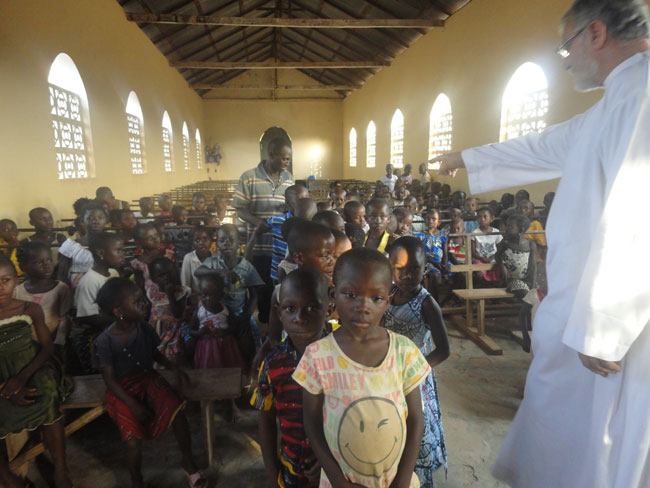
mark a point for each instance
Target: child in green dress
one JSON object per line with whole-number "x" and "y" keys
{"x": 32, "y": 385}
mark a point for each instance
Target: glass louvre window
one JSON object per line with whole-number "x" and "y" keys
{"x": 397, "y": 140}
{"x": 371, "y": 145}
{"x": 353, "y": 148}
{"x": 440, "y": 128}
{"x": 525, "y": 102}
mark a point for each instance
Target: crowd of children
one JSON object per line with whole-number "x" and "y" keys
{"x": 354, "y": 331}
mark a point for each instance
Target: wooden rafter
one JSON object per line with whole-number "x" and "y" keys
{"x": 312, "y": 23}
{"x": 190, "y": 64}
{"x": 214, "y": 86}
{"x": 339, "y": 74}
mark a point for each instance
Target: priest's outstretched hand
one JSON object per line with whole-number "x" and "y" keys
{"x": 599, "y": 366}
{"x": 450, "y": 163}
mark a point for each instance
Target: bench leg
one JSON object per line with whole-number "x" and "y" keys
{"x": 481, "y": 317}
{"x": 207, "y": 412}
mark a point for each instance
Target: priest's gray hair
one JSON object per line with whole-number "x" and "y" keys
{"x": 627, "y": 20}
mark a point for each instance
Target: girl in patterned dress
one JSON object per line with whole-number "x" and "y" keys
{"x": 517, "y": 257}
{"x": 415, "y": 314}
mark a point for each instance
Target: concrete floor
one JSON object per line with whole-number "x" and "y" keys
{"x": 479, "y": 396}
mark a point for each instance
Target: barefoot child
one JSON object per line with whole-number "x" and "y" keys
{"x": 138, "y": 399}
{"x": 40, "y": 287}
{"x": 361, "y": 399}
{"x": 32, "y": 385}
{"x": 302, "y": 309}
{"x": 415, "y": 314}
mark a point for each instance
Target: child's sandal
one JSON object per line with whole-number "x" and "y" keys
{"x": 197, "y": 480}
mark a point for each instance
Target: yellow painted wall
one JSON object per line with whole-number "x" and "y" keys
{"x": 113, "y": 57}
{"x": 315, "y": 127}
{"x": 471, "y": 60}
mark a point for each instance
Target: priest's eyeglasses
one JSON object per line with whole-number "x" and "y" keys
{"x": 563, "y": 49}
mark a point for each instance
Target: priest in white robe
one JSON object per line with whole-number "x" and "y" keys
{"x": 584, "y": 421}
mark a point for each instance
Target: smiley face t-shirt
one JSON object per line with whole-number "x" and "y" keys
{"x": 364, "y": 410}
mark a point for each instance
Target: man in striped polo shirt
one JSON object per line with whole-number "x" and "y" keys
{"x": 260, "y": 195}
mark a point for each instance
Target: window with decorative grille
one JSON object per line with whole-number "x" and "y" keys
{"x": 525, "y": 102}
{"x": 397, "y": 140}
{"x": 135, "y": 144}
{"x": 440, "y": 128}
{"x": 353, "y": 147}
{"x": 69, "y": 139}
{"x": 199, "y": 150}
{"x": 371, "y": 145}
{"x": 186, "y": 148}
{"x": 168, "y": 147}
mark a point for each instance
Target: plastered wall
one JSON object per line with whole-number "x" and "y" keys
{"x": 113, "y": 57}
{"x": 471, "y": 60}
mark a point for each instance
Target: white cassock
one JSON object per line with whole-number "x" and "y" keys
{"x": 574, "y": 428}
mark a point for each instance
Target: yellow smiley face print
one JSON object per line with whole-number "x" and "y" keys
{"x": 370, "y": 435}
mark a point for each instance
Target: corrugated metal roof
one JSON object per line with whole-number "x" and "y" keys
{"x": 183, "y": 40}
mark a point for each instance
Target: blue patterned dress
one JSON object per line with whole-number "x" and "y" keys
{"x": 407, "y": 320}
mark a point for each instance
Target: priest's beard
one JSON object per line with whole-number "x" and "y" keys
{"x": 586, "y": 75}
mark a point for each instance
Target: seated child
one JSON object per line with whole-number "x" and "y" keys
{"x": 9, "y": 242}
{"x": 215, "y": 341}
{"x": 400, "y": 194}
{"x": 107, "y": 255}
{"x": 469, "y": 216}
{"x": 199, "y": 215}
{"x": 242, "y": 283}
{"x": 74, "y": 257}
{"x": 179, "y": 238}
{"x": 415, "y": 314}
{"x": 201, "y": 238}
{"x": 330, "y": 219}
{"x": 355, "y": 233}
{"x": 54, "y": 297}
{"x": 527, "y": 209}
{"x": 411, "y": 204}
{"x": 139, "y": 399}
{"x": 32, "y": 384}
{"x": 457, "y": 253}
{"x": 516, "y": 257}
{"x": 404, "y": 219}
{"x": 354, "y": 212}
{"x": 279, "y": 251}
{"x": 484, "y": 248}
{"x": 220, "y": 214}
{"x": 435, "y": 245}
{"x": 302, "y": 309}
{"x": 341, "y": 244}
{"x": 433, "y": 201}
{"x": 322, "y": 206}
{"x": 287, "y": 265}
{"x": 145, "y": 214}
{"x": 126, "y": 223}
{"x": 548, "y": 202}
{"x": 149, "y": 248}
{"x": 378, "y": 217}
{"x": 338, "y": 199}
{"x": 165, "y": 214}
{"x": 169, "y": 306}
{"x": 362, "y": 406}
{"x": 43, "y": 222}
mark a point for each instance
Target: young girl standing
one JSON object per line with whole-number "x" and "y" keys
{"x": 138, "y": 399}
{"x": 415, "y": 314}
{"x": 361, "y": 398}
{"x": 40, "y": 287}
{"x": 32, "y": 385}
{"x": 149, "y": 248}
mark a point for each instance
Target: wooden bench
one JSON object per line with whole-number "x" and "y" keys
{"x": 206, "y": 385}
{"x": 475, "y": 299}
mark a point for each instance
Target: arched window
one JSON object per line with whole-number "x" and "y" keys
{"x": 440, "y": 127}
{"x": 397, "y": 139}
{"x": 186, "y": 147}
{"x": 353, "y": 147}
{"x": 168, "y": 146}
{"x": 70, "y": 119}
{"x": 525, "y": 102}
{"x": 199, "y": 149}
{"x": 371, "y": 145}
{"x": 135, "y": 125}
